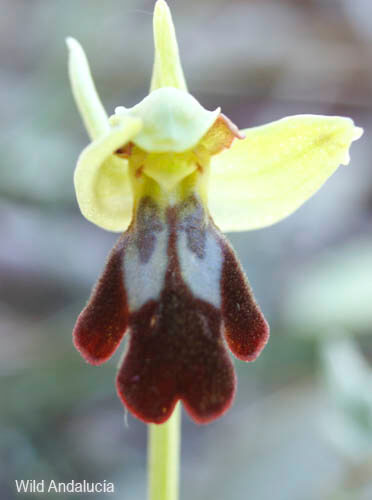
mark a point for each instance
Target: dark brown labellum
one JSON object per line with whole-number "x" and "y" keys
{"x": 174, "y": 280}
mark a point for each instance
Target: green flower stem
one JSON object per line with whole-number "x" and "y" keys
{"x": 163, "y": 458}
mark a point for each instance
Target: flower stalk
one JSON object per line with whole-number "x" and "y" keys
{"x": 164, "y": 457}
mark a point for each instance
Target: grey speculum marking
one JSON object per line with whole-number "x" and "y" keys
{"x": 147, "y": 224}
{"x": 194, "y": 221}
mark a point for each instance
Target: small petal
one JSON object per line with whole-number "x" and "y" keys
{"x": 102, "y": 323}
{"x": 84, "y": 90}
{"x": 220, "y": 136}
{"x": 101, "y": 179}
{"x": 277, "y": 167}
{"x": 167, "y": 70}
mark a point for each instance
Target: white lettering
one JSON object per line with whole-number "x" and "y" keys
{"x": 31, "y": 486}
{"x": 22, "y": 485}
{"x": 52, "y": 486}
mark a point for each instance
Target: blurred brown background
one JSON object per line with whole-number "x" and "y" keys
{"x": 301, "y": 426}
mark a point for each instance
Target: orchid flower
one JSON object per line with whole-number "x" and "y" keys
{"x": 171, "y": 176}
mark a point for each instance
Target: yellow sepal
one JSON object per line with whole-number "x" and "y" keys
{"x": 277, "y": 167}
{"x": 167, "y": 70}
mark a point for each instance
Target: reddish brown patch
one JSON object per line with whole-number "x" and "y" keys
{"x": 139, "y": 172}
{"x": 102, "y": 323}
{"x": 125, "y": 151}
{"x": 246, "y": 329}
{"x": 176, "y": 351}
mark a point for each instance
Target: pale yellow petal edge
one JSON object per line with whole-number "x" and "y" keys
{"x": 102, "y": 181}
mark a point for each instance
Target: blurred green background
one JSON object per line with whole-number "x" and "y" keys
{"x": 301, "y": 426}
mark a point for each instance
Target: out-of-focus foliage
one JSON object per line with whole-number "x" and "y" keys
{"x": 300, "y": 428}
{"x": 349, "y": 380}
{"x": 333, "y": 293}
